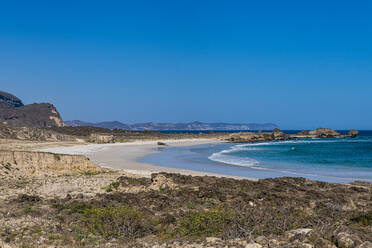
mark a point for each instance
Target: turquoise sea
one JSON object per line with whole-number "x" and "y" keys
{"x": 332, "y": 160}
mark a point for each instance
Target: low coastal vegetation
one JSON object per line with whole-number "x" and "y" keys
{"x": 172, "y": 210}
{"x": 112, "y": 186}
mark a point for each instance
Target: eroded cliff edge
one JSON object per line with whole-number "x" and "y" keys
{"x": 31, "y": 164}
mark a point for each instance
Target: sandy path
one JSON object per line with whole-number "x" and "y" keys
{"x": 125, "y": 156}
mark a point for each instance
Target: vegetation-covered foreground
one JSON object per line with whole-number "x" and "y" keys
{"x": 172, "y": 210}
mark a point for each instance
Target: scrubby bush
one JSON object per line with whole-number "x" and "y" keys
{"x": 57, "y": 157}
{"x": 364, "y": 219}
{"x": 115, "y": 222}
{"x": 232, "y": 222}
{"x": 112, "y": 186}
{"x": 203, "y": 223}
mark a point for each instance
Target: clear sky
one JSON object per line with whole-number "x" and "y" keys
{"x": 300, "y": 64}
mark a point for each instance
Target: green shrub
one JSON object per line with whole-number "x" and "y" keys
{"x": 364, "y": 219}
{"x": 203, "y": 223}
{"x": 7, "y": 166}
{"x": 112, "y": 186}
{"x": 115, "y": 222}
{"x": 76, "y": 208}
{"x": 57, "y": 157}
{"x": 27, "y": 210}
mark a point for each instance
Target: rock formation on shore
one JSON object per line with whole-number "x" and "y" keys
{"x": 14, "y": 113}
{"x": 324, "y": 133}
{"x": 353, "y": 133}
{"x": 277, "y": 134}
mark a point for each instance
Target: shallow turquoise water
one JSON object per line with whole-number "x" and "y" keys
{"x": 334, "y": 160}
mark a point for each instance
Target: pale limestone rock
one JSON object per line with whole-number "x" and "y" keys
{"x": 212, "y": 239}
{"x": 344, "y": 240}
{"x": 253, "y": 245}
{"x": 366, "y": 244}
{"x": 302, "y": 231}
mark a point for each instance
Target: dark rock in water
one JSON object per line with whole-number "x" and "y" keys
{"x": 14, "y": 113}
{"x": 8, "y": 100}
{"x": 162, "y": 144}
{"x": 353, "y": 133}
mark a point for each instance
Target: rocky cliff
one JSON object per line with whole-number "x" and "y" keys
{"x": 14, "y": 113}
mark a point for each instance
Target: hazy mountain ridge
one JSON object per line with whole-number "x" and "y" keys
{"x": 191, "y": 126}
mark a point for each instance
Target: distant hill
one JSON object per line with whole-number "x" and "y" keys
{"x": 109, "y": 124}
{"x": 192, "y": 126}
{"x": 14, "y": 113}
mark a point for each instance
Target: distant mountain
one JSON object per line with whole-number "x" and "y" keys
{"x": 14, "y": 113}
{"x": 192, "y": 126}
{"x": 108, "y": 124}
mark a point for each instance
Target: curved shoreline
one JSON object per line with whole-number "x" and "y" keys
{"x": 126, "y": 156}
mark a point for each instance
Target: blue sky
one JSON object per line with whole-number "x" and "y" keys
{"x": 300, "y": 64}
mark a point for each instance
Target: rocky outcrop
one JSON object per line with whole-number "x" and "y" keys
{"x": 33, "y": 115}
{"x": 303, "y": 132}
{"x": 252, "y": 137}
{"x": 277, "y": 134}
{"x": 41, "y": 163}
{"x": 353, "y": 133}
{"x": 324, "y": 133}
{"x": 14, "y": 113}
{"x": 101, "y": 138}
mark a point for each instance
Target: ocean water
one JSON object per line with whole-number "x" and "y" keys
{"x": 332, "y": 160}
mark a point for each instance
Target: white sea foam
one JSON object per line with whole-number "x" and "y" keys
{"x": 227, "y": 159}
{"x": 224, "y": 157}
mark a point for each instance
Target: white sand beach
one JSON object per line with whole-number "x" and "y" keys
{"x": 125, "y": 156}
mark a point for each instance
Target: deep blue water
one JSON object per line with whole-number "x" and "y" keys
{"x": 334, "y": 160}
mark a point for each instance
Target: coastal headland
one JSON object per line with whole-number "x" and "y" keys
{"x": 53, "y": 195}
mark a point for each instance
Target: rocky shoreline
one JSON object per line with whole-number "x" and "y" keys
{"x": 277, "y": 134}
{"x": 54, "y": 200}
